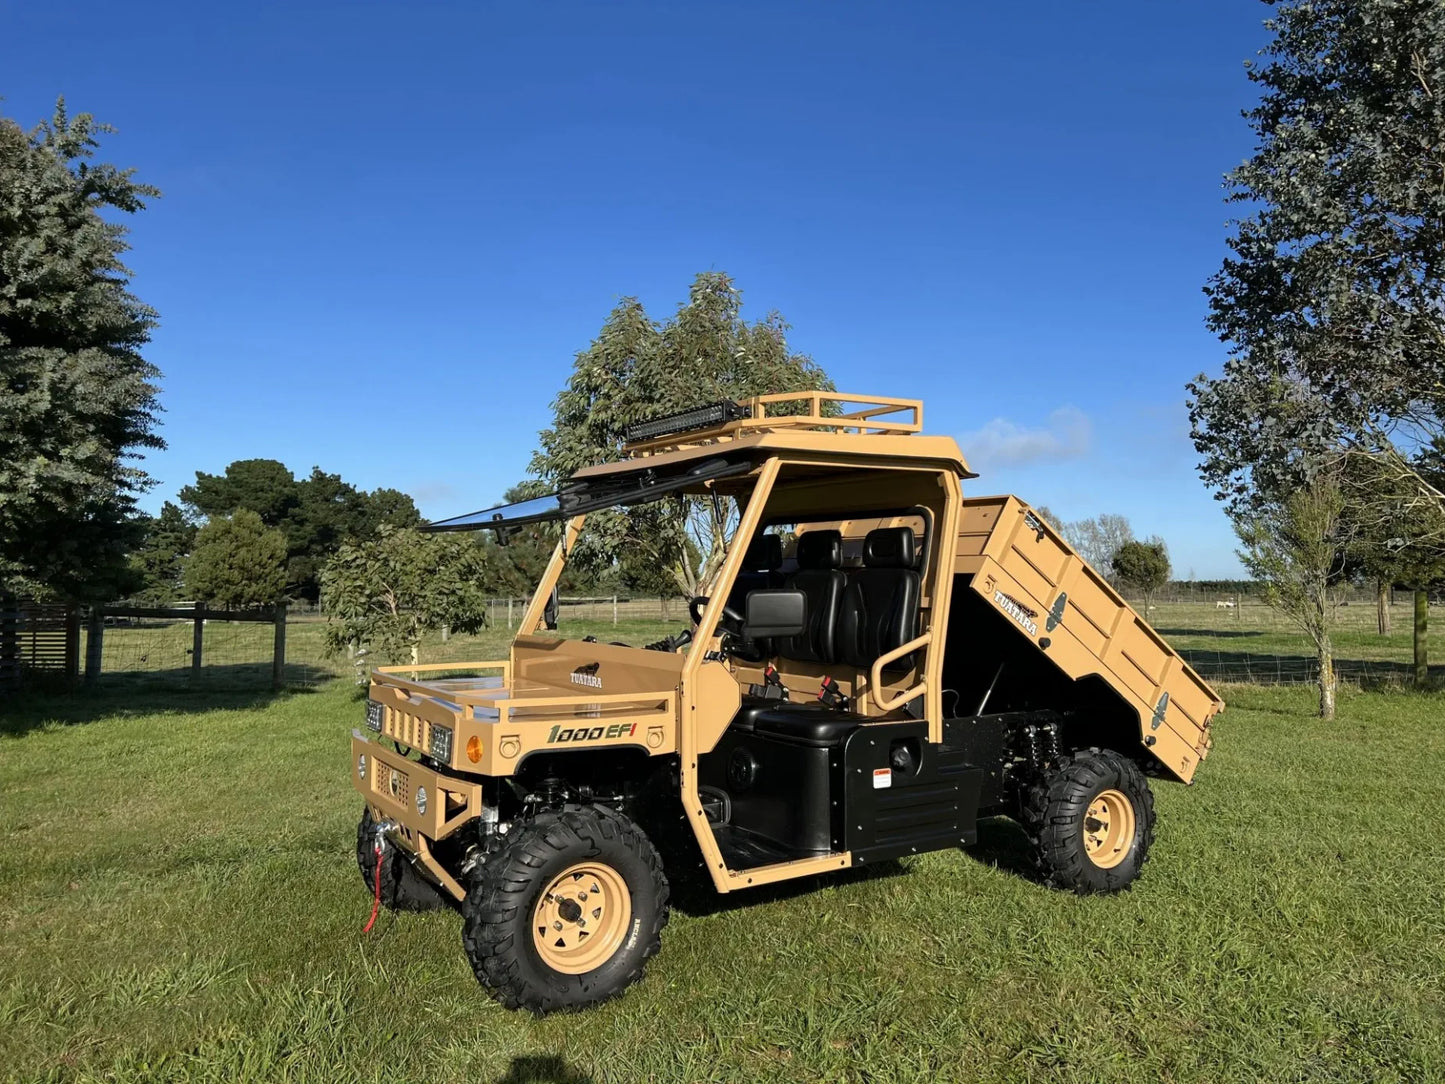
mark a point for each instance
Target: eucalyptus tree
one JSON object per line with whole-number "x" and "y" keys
{"x": 638, "y": 368}
{"x": 1332, "y": 299}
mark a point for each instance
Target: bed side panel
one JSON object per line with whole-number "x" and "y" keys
{"x": 1048, "y": 593}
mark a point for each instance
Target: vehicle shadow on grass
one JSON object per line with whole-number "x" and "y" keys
{"x": 693, "y": 893}
{"x": 218, "y": 688}
{"x": 1004, "y": 845}
{"x": 542, "y": 1069}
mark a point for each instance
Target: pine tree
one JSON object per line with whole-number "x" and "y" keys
{"x": 78, "y": 401}
{"x": 238, "y": 563}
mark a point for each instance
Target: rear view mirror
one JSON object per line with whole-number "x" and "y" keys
{"x": 775, "y": 613}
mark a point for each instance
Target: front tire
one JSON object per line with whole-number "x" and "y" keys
{"x": 402, "y": 887}
{"x": 567, "y": 913}
{"x": 1091, "y": 822}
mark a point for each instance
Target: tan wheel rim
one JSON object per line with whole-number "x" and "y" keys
{"x": 1109, "y": 829}
{"x": 581, "y": 919}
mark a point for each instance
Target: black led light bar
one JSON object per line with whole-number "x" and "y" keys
{"x": 685, "y": 421}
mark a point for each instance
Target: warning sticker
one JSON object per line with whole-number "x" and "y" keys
{"x": 882, "y": 777}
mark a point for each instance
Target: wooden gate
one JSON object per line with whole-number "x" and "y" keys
{"x": 38, "y": 638}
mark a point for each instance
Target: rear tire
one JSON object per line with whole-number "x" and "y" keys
{"x": 567, "y": 913}
{"x": 1091, "y": 822}
{"x": 402, "y": 887}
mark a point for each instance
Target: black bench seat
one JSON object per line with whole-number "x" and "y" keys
{"x": 803, "y": 723}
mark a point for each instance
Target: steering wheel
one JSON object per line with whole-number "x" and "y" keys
{"x": 732, "y": 620}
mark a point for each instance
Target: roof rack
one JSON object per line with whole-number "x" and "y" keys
{"x": 815, "y": 410}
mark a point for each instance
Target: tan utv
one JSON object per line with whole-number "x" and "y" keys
{"x": 879, "y": 662}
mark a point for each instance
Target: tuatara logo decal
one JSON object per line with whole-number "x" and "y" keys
{"x": 595, "y": 733}
{"x": 1018, "y": 611}
{"x": 587, "y": 675}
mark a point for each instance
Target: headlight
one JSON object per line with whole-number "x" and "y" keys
{"x": 361, "y": 766}
{"x": 373, "y": 715}
{"x": 439, "y": 743}
{"x": 421, "y": 801}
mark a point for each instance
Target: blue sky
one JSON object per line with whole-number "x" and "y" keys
{"x": 387, "y": 229}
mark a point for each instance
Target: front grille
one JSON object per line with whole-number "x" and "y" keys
{"x": 391, "y": 783}
{"x": 407, "y": 729}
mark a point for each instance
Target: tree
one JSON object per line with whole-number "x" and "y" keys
{"x": 1045, "y": 513}
{"x": 237, "y": 562}
{"x": 316, "y": 514}
{"x": 1298, "y": 551}
{"x": 637, "y": 369}
{"x": 1098, "y": 539}
{"x": 77, "y": 399}
{"x": 264, "y": 486}
{"x": 1143, "y": 566}
{"x": 386, "y": 592}
{"x": 1331, "y": 299}
{"x": 159, "y": 561}
{"x": 514, "y": 564}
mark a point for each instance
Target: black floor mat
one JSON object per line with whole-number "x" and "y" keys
{"x": 742, "y": 849}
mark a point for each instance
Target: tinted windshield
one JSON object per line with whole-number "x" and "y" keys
{"x": 592, "y": 495}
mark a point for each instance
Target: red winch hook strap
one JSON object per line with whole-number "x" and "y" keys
{"x": 376, "y": 903}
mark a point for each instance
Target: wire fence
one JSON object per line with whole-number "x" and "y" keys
{"x": 234, "y": 654}
{"x": 1248, "y": 642}
{"x": 1246, "y": 669}
{"x": 505, "y": 612}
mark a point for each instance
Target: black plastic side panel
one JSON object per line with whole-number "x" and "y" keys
{"x": 890, "y": 813}
{"x": 983, "y": 741}
{"x": 779, "y": 790}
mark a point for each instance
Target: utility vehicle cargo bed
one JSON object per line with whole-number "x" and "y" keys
{"x": 1026, "y": 571}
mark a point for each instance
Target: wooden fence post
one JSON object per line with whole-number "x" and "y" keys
{"x": 72, "y": 644}
{"x": 197, "y": 637}
{"x": 278, "y": 655}
{"x": 94, "y": 644}
{"x": 9, "y": 640}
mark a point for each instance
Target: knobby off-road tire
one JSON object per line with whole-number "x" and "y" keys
{"x": 567, "y": 913}
{"x": 1091, "y": 822}
{"x": 402, "y": 887}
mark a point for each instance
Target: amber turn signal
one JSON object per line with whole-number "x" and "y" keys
{"x": 474, "y": 749}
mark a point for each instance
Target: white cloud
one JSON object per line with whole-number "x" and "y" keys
{"x": 1003, "y": 442}
{"x": 432, "y": 492}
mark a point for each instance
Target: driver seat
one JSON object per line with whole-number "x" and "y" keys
{"x": 762, "y": 562}
{"x": 819, "y": 577}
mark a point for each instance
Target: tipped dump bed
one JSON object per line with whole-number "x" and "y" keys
{"x": 1026, "y": 571}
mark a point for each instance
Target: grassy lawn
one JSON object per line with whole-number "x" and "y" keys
{"x": 179, "y": 901}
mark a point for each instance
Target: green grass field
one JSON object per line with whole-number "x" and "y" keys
{"x": 179, "y": 901}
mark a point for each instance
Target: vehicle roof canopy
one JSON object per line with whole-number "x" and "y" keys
{"x": 703, "y": 445}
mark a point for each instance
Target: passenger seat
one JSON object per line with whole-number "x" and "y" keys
{"x": 820, "y": 557}
{"x": 881, "y": 605}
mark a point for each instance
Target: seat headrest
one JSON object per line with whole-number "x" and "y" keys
{"x": 820, "y": 549}
{"x": 888, "y": 547}
{"x": 764, "y": 554}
